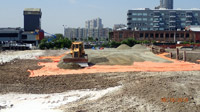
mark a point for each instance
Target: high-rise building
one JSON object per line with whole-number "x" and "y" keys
{"x": 84, "y": 33}
{"x": 32, "y": 19}
{"x": 168, "y": 4}
{"x": 162, "y": 19}
{"x": 94, "y": 24}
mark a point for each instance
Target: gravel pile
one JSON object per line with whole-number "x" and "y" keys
{"x": 123, "y": 47}
{"x": 98, "y": 60}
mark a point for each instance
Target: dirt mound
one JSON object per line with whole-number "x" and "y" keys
{"x": 123, "y": 47}
{"x": 138, "y": 46}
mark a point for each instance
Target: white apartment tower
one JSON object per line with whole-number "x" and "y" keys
{"x": 94, "y": 24}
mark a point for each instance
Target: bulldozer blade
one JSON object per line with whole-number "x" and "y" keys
{"x": 81, "y": 61}
{"x": 83, "y": 64}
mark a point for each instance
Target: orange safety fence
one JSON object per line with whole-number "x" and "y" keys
{"x": 50, "y": 68}
{"x": 53, "y": 58}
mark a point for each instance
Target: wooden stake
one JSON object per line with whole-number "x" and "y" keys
{"x": 177, "y": 53}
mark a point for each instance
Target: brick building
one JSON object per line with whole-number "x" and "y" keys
{"x": 161, "y": 36}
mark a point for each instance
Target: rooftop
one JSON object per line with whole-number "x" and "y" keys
{"x": 197, "y": 9}
{"x": 33, "y": 9}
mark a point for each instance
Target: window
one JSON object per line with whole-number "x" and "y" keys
{"x": 156, "y": 29}
{"x": 151, "y": 19}
{"x": 151, "y": 23}
{"x": 196, "y": 14}
{"x": 134, "y": 19}
{"x": 139, "y": 19}
{"x": 182, "y": 14}
{"x": 120, "y": 35}
{"x": 172, "y": 35}
{"x": 144, "y": 29}
{"x": 144, "y": 19}
{"x": 167, "y": 35}
{"x": 8, "y": 34}
{"x": 162, "y": 23}
{"x": 146, "y": 35}
{"x": 157, "y": 35}
{"x": 183, "y": 19}
{"x": 161, "y": 28}
{"x": 161, "y": 35}
{"x": 151, "y": 35}
{"x": 139, "y": 14}
{"x": 177, "y": 35}
{"x": 162, "y": 14}
{"x": 144, "y": 14}
{"x": 134, "y": 14}
{"x": 155, "y": 19}
{"x": 141, "y": 35}
{"x": 24, "y": 36}
{"x": 187, "y": 35}
{"x": 182, "y": 24}
{"x": 182, "y": 35}
{"x": 155, "y": 23}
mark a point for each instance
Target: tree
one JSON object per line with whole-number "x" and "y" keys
{"x": 115, "y": 44}
{"x": 130, "y": 42}
{"x": 57, "y": 43}
{"x": 59, "y": 35}
{"x": 90, "y": 39}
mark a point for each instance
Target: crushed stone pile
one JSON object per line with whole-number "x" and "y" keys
{"x": 123, "y": 47}
{"x": 98, "y": 60}
{"x": 138, "y": 46}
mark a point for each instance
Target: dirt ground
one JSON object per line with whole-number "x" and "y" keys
{"x": 143, "y": 91}
{"x": 138, "y": 92}
{"x": 15, "y": 78}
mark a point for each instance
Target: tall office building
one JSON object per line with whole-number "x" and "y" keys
{"x": 168, "y": 4}
{"x": 32, "y": 19}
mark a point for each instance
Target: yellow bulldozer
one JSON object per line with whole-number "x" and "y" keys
{"x": 78, "y": 55}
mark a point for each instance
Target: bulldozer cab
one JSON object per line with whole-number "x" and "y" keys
{"x": 77, "y": 50}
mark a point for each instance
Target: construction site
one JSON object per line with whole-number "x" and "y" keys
{"x": 128, "y": 79}
{"x": 158, "y": 72}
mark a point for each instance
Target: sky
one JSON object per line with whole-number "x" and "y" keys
{"x": 74, "y": 13}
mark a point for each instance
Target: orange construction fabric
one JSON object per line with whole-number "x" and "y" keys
{"x": 50, "y": 68}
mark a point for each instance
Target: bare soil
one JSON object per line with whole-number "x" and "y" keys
{"x": 143, "y": 91}
{"x": 15, "y": 78}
